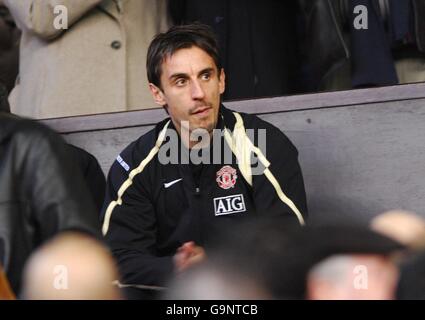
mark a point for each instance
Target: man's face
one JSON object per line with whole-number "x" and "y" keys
{"x": 191, "y": 89}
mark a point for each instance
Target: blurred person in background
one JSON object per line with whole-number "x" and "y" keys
{"x": 258, "y": 43}
{"x": 9, "y": 48}
{"x": 349, "y": 44}
{"x": 83, "y": 56}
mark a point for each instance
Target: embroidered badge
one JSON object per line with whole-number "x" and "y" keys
{"x": 226, "y": 177}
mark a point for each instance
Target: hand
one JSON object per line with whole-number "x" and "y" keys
{"x": 187, "y": 255}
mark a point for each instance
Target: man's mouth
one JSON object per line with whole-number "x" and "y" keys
{"x": 201, "y": 111}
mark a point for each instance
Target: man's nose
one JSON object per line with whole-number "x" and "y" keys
{"x": 197, "y": 90}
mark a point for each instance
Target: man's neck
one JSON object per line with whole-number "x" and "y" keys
{"x": 196, "y": 139}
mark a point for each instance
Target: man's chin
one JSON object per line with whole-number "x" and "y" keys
{"x": 206, "y": 126}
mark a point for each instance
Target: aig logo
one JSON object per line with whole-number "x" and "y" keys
{"x": 229, "y": 205}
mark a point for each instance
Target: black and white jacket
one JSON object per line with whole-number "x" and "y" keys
{"x": 152, "y": 207}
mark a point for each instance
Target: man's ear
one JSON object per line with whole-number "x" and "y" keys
{"x": 157, "y": 94}
{"x": 222, "y": 81}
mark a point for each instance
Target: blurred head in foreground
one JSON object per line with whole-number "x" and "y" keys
{"x": 211, "y": 281}
{"x": 71, "y": 266}
{"x": 353, "y": 277}
{"x": 405, "y": 227}
{"x": 334, "y": 263}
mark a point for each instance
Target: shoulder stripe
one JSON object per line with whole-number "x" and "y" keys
{"x": 242, "y": 146}
{"x": 283, "y": 197}
{"x": 129, "y": 181}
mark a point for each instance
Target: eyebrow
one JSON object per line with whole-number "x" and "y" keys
{"x": 178, "y": 75}
{"x": 209, "y": 70}
{"x": 185, "y": 76}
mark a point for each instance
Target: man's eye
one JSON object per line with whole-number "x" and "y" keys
{"x": 206, "y": 76}
{"x": 180, "y": 82}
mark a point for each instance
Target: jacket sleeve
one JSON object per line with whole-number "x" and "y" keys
{"x": 284, "y": 165}
{"x": 131, "y": 234}
{"x": 38, "y": 16}
{"x": 55, "y": 189}
{"x": 92, "y": 173}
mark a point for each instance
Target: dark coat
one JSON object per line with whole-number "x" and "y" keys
{"x": 92, "y": 173}
{"x": 327, "y": 43}
{"x": 41, "y": 193}
{"x": 9, "y": 49}
{"x": 257, "y": 41}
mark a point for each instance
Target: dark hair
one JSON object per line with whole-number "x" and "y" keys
{"x": 166, "y": 44}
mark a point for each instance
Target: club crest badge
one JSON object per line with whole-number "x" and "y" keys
{"x": 226, "y": 177}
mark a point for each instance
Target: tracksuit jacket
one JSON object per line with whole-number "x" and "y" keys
{"x": 152, "y": 207}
